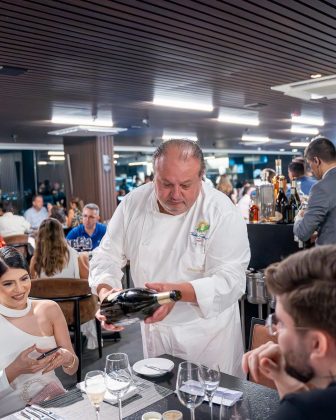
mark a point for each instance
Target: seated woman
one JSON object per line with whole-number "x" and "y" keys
{"x": 53, "y": 257}
{"x": 75, "y": 217}
{"x": 28, "y": 328}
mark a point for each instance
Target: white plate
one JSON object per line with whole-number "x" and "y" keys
{"x": 158, "y": 362}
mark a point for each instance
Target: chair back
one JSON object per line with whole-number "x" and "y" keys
{"x": 66, "y": 291}
{"x": 259, "y": 335}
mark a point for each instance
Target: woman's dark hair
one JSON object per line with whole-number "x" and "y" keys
{"x": 11, "y": 258}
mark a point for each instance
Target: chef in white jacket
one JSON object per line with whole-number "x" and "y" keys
{"x": 179, "y": 233}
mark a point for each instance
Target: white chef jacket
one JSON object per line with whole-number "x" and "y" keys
{"x": 207, "y": 246}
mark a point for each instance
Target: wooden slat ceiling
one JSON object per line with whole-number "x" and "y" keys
{"x": 116, "y": 55}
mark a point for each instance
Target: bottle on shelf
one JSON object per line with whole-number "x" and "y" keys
{"x": 276, "y": 178}
{"x": 254, "y": 210}
{"x": 281, "y": 203}
{"x": 132, "y": 305}
{"x": 293, "y": 203}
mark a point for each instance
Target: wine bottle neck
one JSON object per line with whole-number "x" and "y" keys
{"x": 163, "y": 298}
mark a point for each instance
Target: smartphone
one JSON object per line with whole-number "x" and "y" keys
{"x": 48, "y": 353}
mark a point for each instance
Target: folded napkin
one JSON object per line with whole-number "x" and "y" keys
{"x": 223, "y": 396}
{"x": 110, "y": 398}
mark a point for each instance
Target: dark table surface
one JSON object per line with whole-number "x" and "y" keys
{"x": 262, "y": 401}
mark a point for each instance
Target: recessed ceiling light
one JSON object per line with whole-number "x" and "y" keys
{"x": 259, "y": 139}
{"x": 299, "y": 143}
{"x": 86, "y": 128}
{"x": 55, "y": 153}
{"x": 315, "y": 76}
{"x": 137, "y": 163}
{"x": 82, "y": 121}
{"x": 301, "y": 119}
{"x": 56, "y": 158}
{"x": 175, "y": 103}
{"x": 42, "y": 163}
{"x": 238, "y": 116}
{"x": 281, "y": 150}
{"x": 304, "y": 130}
{"x": 294, "y": 150}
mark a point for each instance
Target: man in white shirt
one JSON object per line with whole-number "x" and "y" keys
{"x": 11, "y": 224}
{"x": 180, "y": 234}
{"x": 37, "y": 213}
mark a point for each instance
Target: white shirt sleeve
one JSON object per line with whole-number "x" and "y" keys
{"x": 5, "y": 387}
{"x": 109, "y": 258}
{"x": 227, "y": 257}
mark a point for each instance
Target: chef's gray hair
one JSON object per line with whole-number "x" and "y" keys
{"x": 187, "y": 148}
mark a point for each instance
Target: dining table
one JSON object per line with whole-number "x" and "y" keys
{"x": 158, "y": 394}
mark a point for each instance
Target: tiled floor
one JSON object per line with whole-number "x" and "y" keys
{"x": 129, "y": 343}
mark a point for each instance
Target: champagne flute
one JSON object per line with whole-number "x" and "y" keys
{"x": 209, "y": 378}
{"x": 189, "y": 390}
{"x": 95, "y": 388}
{"x": 118, "y": 376}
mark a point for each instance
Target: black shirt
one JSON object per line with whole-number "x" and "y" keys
{"x": 311, "y": 405}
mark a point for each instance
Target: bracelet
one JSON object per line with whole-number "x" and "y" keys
{"x": 72, "y": 363}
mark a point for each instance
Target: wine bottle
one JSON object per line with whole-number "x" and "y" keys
{"x": 293, "y": 205}
{"x": 132, "y": 305}
{"x": 276, "y": 178}
{"x": 253, "y": 210}
{"x": 281, "y": 203}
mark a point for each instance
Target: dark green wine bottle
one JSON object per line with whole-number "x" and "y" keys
{"x": 133, "y": 305}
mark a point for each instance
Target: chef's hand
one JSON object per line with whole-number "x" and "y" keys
{"x": 103, "y": 293}
{"x": 268, "y": 360}
{"x": 163, "y": 310}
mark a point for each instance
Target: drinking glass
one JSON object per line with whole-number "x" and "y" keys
{"x": 189, "y": 390}
{"x": 209, "y": 378}
{"x": 241, "y": 410}
{"x": 95, "y": 388}
{"x": 118, "y": 376}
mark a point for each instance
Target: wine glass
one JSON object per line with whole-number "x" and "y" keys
{"x": 95, "y": 388}
{"x": 118, "y": 376}
{"x": 189, "y": 390}
{"x": 209, "y": 378}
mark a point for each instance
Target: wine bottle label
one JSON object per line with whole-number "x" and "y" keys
{"x": 112, "y": 296}
{"x": 278, "y": 216}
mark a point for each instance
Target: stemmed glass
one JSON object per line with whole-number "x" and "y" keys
{"x": 189, "y": 390}
{"x": 209, "y": 378}
{"x": 95, "y": 388}
{"x": 118, "y": 376}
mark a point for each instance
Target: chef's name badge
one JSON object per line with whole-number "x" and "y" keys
{"x": 200, "y": 232}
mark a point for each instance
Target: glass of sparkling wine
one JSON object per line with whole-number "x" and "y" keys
{"x": 189, "y": 390}
{"x": 118, "y": 376}
{"x": 95, "y": 388}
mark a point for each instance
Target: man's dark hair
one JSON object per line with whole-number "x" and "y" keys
{"x": 306, "y": 281}
{"x": 188, "y": 149}
{"x": 321, "y": 148}
{"x": 297, "y": 169}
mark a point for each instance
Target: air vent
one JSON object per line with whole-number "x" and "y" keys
{"x": 12, "y": 71}
{"x": 324, "y": 87}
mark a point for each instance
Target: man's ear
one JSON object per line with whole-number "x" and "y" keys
{"x": 319, "y": 345}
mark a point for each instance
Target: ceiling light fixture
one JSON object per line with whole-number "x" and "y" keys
{"x": 116, "y": 156}
{"x": 137, "y": 163}
{"x": 56, "y": 158}
{"x": 304, "y": 130}
{"x": 238, "y": 116}
{"x": 173, "y": 103}
{"x": 55, "y": 153}
{"x": 87, "y": 128}
{"x": 42, "y": 162}
{"x": 294, "y": 150}
{"x": 82, "y": 121}
{"x": 299, "y": 144}
{"x": 315, "y": 76}
{"x": 308, "y": 120}
{"x": 257, "y": 139}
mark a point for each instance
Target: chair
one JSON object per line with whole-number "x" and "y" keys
{"x": 20, "y": 242}
{"x": 259, "y": 335}
{"x": 77, "y": 303}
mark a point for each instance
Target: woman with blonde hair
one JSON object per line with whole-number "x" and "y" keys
{"x": 53, "y": 257}
{"x": 75, "y": 217}
{"x": 225, "y": 186}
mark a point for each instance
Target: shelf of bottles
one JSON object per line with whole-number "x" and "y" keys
{"x": 271, "y": 204}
